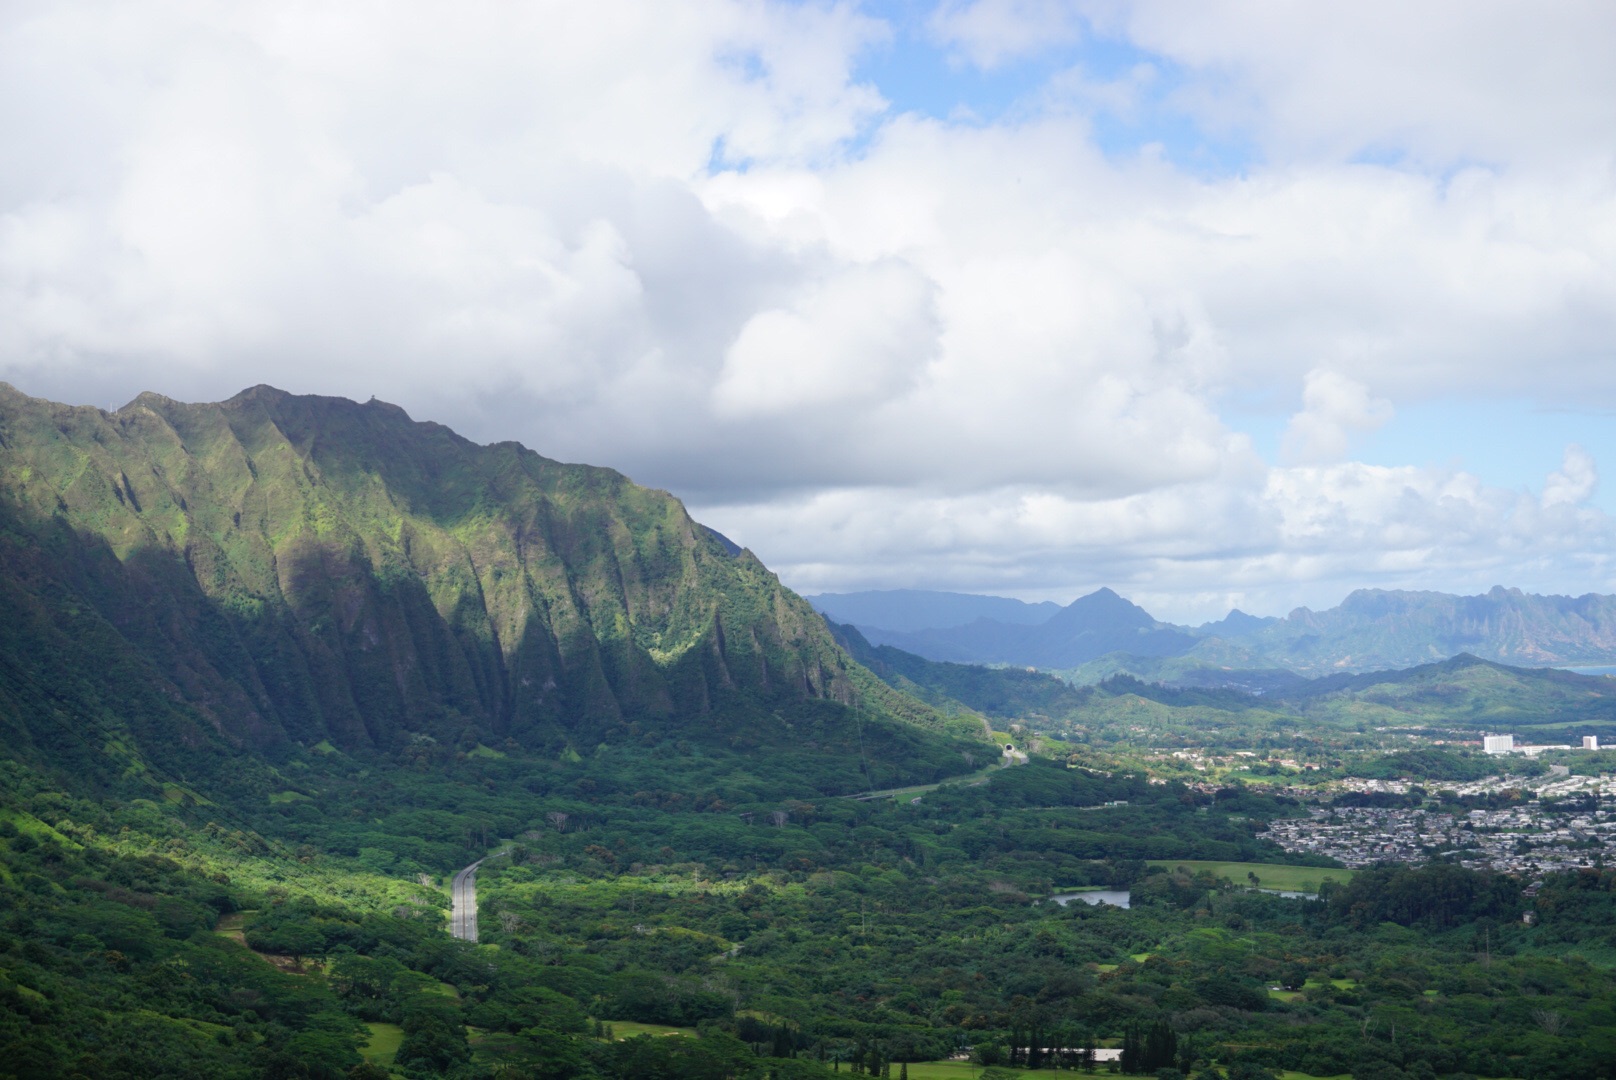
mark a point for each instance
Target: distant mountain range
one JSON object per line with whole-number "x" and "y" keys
{"x": 1372, "y": 629}
{"x": 1090, "y": 627}
{"x": 1463, "y": 691}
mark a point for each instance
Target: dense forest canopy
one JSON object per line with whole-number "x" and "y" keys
{"x": 273, "y": 670}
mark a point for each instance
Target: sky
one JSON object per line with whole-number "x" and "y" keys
{"x": 1225, "y": 304}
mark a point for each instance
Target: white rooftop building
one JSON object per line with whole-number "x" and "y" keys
{"x": 1498, "y": 744}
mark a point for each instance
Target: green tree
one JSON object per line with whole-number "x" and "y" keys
{"x": 550, "y": 1055}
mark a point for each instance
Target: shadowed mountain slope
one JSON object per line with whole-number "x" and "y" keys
{"x": 307, "y": 568}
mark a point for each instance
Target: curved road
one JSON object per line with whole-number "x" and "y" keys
{"x": 463, "y": 895}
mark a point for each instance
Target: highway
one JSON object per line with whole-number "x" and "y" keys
{"x": 463, "y": 895}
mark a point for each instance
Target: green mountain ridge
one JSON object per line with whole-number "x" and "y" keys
{"x": 1001, "y": 693}
{"x": 1375, "y": 628}
{"x": 1467, "y": 689}
{"x": 1464, "y": 691}
{"x": 299, "y": 569}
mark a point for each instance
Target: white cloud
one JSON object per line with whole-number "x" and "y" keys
{"x": 1264, "y": 541}
{"x": 1573, "y": 482}
{"x": 1443, "y": 81}
{"x": 856, "y": 339}
{"x": 1334, "y": 407}
{"x": 688, "y": 241}
{"x": 989, "y": 33}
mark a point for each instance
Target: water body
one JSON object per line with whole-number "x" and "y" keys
{"x": 1591, "y": 670}
{"x": 1114, "y": 897}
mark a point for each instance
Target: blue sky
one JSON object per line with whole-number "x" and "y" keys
{"x": 1509, "y": 442}
{"x": 916, "y": 72}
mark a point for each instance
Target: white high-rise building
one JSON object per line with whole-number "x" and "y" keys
{"x": 1590, "y": 742}
{"x": 1498, "y": 744}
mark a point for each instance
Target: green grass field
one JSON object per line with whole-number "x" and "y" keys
{"x": 385, "y": 1039}
{"x": 1314, "y": 984}
{"x": 905, "y": 794}
{"x": 964, "y": 1070}
{"x": 1271, "y": 875}
{"x": 627, "y": 1029}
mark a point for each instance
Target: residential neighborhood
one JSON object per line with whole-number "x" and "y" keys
{"x": 1560, "y": 822}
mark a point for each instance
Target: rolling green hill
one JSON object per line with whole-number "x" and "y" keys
{"x": 1464, "y": 694}
{"x": 1001, "y": 693}
{"x": 1463, "y": 690}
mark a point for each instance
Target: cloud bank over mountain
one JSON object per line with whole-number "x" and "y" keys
{"x": 1131, "y": 322}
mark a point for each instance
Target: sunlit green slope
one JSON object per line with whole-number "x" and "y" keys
{"x": 305, "y": 568}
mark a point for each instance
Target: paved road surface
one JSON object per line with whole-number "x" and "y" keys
{"x": 463, "y": 893}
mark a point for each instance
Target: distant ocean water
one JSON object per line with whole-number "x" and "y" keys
{"x": 1607, "y": 670}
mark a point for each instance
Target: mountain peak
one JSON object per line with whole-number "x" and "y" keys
{"x": 1105, "y": 604}
{"x": 1235, "y": 624}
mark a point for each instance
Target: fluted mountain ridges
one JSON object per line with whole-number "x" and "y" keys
{"x": 311, "y": 568}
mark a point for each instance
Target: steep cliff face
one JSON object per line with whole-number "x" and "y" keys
{"x": 312, "y": 568}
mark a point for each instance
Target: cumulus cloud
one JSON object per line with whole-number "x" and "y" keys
{"x": 1264, "y": 542}
{"x": 1447, "y": 81}
{"x": 857, "y": 339}
{"x": 694, "y": 242}
{"x": 1573, "y": 482}
{"x": 1334, "y": 407}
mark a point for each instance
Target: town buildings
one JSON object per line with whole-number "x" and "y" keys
{"x": 1559, "y": 822}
